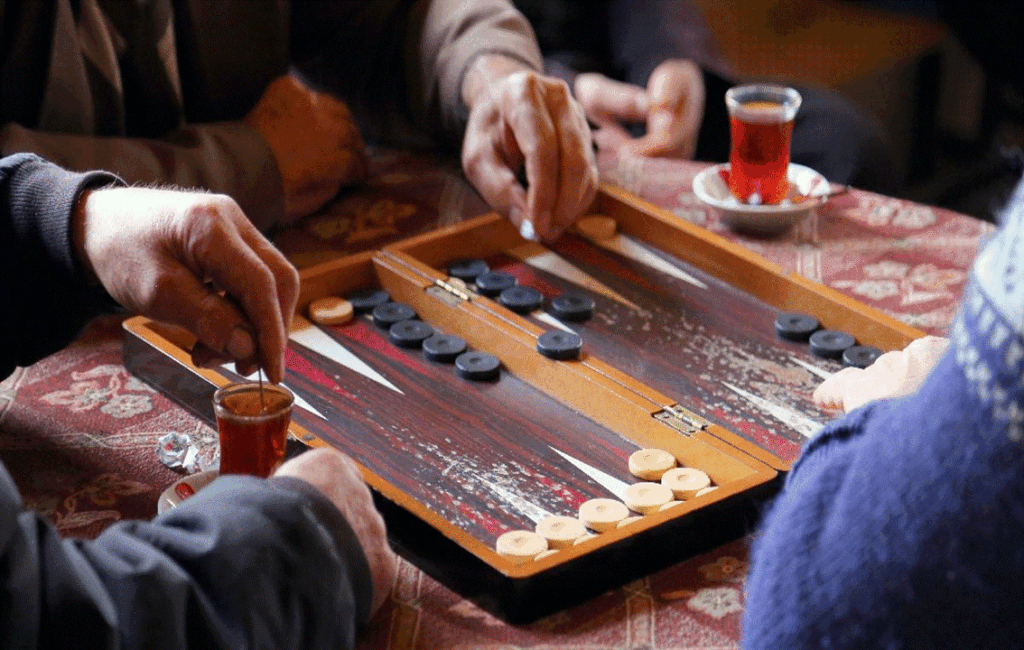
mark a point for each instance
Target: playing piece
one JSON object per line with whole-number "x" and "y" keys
{"x": 389, "y": 313}
{"x": 478, "y": 366}
{"x": 586, "y": 537}
{"x": 602, "y": 514}
{"x": 650, "y": 464}
{"x": 560, "y": 345}
{"x": 467, "y": 269}
{"x": 796, "y": 327}
{"x": 365, "y": 300}
{"x": 628, "y": 520}
{"x": 330, "y": 310}
{"x": 410, "y": 333}
{"x": 860, "y": 356}
{"x": 561, "y": 532}
{"x": 831, "y": 344}
{"x": 492, "y": 283}
{"x": 572, "y": 307}
{"x": 521, "y": 300}
{"x": 520, "y": 545}
{"x": 685, "y": 482}
{"x": 597, "y": 227}
{"x": 443, "y": 347}
{"x": 647, "y": 497}
{"x": 544, "y": 554}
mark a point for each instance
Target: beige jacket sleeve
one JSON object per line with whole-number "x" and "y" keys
{"x": 451, "y": 35}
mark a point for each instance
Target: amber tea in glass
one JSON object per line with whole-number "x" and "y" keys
{"x": 761, "y": 126}
{"x": 253, "y": 423}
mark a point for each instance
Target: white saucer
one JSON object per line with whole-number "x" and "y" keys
{"x": 711, "y": 189}
{"x": 171, "y": 497}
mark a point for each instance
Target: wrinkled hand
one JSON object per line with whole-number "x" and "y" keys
{"x": 672, "y": 106}
{"x": 315, "y": 141}
{"x": 334, "y": 474}
{"x": 519, "y": 118}
{"x": 193, "y": 260}
{"x": 894, "y": 374}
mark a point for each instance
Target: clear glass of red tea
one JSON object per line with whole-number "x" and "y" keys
{"x": 252, "y": 419}
{"x": 761, "y": 127}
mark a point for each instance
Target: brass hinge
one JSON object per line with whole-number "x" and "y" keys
{"x": 448, "y": 292}
{"x": 681, "y": 419}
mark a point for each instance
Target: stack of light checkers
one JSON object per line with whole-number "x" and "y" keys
{"x": 664, "y": 485}
{"x": 825, "y": 343}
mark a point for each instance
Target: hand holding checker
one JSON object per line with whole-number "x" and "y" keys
{"x": 193, "y": 260}
{"x": 518, "y": 117}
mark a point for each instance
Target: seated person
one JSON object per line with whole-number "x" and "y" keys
{"x": 901, "y": 524}
{"x": 656, "y": 64}
{"x": 180, "y": 92}
{"x": 299, "y": 560}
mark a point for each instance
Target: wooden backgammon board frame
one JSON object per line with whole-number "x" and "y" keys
{"x": 412, "y": 271}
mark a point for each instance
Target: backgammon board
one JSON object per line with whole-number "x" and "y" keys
{"x": 680, "y": 354}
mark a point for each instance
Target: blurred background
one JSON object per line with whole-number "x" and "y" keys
{"x": 944, "y": 77}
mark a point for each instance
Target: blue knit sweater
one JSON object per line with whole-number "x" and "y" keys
{"x": 902, "y": 524}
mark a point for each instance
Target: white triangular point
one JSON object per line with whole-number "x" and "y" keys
{"x": 313, "y": 338}
{"x": 298, "y": 399}
{"x": 533, "y": 512}
{"x": 545, "y": 317}
{"x": 608, "y": 482}
{"x": 813, "y": 369}
{"x": 541, "y": 258}
{"x": 799, "y": 423}
{"x": 628, "y": 247}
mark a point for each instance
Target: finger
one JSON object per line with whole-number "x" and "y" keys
{"x": 225, "y": 258}
{"x": 676, "y": 92}
{"x": 536, "y": 137}
{"x": 577, "y": 173}
{"x": 606, "y": 100}
{"x": 612, "y": 138}
{"x": 486, "y": 164}
{"x": 214, "y": 319}
{"x": 829, "y": 393}
{"x": 286, "y": 276}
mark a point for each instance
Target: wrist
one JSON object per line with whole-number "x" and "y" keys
{"x": 487, "y": 70}
{"x": 79, "y": 217}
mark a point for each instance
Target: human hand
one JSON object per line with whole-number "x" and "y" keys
{"x": 894, "y": 374}
{"x": 520, "y": 118}
{"x": 315, "y": 141}
{"x": 672, "y": 106}
{"x": 193, "y": 260}
{"x": 334, "y": 474}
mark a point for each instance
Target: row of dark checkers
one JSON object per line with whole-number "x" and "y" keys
{"x": 407, "y": 331}
{"x": 828, "y": 344}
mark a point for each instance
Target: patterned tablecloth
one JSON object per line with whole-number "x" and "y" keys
{"x": 79, "y": 432}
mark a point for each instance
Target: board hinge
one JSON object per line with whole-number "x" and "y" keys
{"x": 448, "y": 292}
{"x": 681, "y": 419}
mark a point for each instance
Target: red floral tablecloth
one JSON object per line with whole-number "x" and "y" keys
{"x": 79, "y": 432}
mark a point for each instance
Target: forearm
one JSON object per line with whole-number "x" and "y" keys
{"x": 464, "y": 46}
{"x": 227, "y": 157}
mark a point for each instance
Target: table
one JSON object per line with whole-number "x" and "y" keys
{"x": 80, "y": 432}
